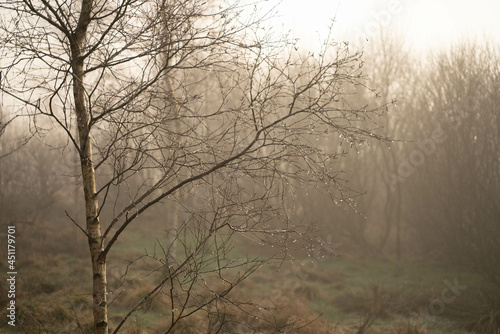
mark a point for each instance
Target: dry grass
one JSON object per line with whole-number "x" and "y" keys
{"x": 54, "y": 297}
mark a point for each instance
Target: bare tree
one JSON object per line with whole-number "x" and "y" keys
{"x": 175, "y": 96}
{"x": 378, "y": 219}
{"x": 455, "y": 205}
{"x": 389, "y": 66}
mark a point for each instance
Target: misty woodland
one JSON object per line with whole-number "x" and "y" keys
{"x": 173, "y": 166}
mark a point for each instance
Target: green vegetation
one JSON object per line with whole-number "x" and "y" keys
{"x": 339, "y": 294}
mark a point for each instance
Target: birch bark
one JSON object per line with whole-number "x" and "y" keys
{"x": 77, "y": 42}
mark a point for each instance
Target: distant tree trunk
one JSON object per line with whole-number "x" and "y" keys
{"x": 172, "y": 219}
{"x": 88, "y": 173}
{"x": 172, "y": 212}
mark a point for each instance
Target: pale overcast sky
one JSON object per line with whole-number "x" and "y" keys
{"x": 426, "y": 23}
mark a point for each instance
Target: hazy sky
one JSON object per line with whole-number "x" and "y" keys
{"x": 426, "y": 23}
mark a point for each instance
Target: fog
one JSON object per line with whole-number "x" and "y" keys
{"x": 251, "y": 188}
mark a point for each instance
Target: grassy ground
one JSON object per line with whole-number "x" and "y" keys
{"x": 343, "y": 294}
{"x": 353, "y": 292}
